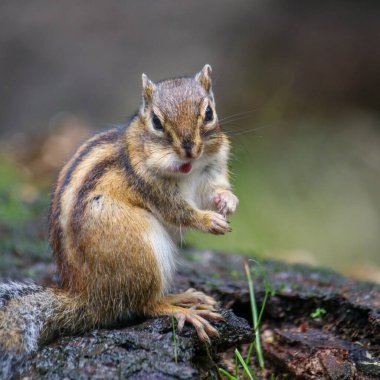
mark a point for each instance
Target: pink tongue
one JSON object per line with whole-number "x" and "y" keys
{"x": 185, "y": 168}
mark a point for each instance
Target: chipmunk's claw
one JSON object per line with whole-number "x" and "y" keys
{"x": 202, "y": 326}
{"x": 192, "y": 307}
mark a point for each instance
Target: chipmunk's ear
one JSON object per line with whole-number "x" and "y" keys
{"x": 204, "y": 77}
{"x": 148, "y": 89}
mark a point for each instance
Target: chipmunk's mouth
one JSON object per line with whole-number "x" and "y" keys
{"x": 183, "y": 168}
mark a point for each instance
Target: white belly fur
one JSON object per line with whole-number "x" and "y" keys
{"x": 189, "y": 190}
{"x": 194, "y": 188}
{"x": 165, "y": 251}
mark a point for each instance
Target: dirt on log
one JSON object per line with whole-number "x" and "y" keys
{"x": 316, "y": 325}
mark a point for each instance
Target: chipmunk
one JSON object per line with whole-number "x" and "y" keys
{"x": 118, "y": 208}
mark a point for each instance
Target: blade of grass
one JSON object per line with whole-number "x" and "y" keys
{"x": 249, "y": 353}
{"x": 267, "y": 290}
{"x": 174, "y": 337}
{"x": 236, "y": 367}
{"x": 252, "y": 376}
{"x": 224, "y": 372}
{"x": 254, "y": 316}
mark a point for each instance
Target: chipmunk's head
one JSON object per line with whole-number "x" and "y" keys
{"x": 180, "y": 122}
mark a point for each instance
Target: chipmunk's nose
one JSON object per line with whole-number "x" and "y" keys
{"x": 187, "y": 145}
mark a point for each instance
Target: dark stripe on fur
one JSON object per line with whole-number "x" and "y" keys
{"x": 144, "y": 188}
{"x": 55, "y": 210}
{"x": 89, "y": 184}
{"x": 159, "y": 197}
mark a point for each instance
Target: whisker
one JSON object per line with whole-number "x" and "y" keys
{"x": 246, "y": 131}
{"x": 238, "y": 114}
{"x": 232, "y": 120}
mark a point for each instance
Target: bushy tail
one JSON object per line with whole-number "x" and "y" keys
{"x": 31, "y": 315}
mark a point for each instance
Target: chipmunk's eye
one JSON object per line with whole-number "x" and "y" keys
{"x": 209, "y": 115}
{"x": 157, "y": 123}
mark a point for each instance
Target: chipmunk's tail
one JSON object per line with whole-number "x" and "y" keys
{"x": 31, "y": 315}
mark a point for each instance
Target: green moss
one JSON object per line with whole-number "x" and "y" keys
{"x": 319, "y": 312}
{"x": 23, "y": 227}
{"x": 236, "y": 274}
{"x": 11, "y": 210}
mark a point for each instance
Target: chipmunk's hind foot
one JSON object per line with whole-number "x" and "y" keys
{"x": 192, "y": 307}
{"x": 197, "y": 318}
{"x": 193, "y": 299}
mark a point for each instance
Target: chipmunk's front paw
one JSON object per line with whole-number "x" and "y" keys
{"x": 225, "y": 201}
{"x": 215, "y": 223}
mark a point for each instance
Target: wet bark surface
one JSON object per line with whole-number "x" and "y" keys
{"x": 316, "y": 325}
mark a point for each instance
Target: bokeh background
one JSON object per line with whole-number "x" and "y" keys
{"x": 298, "y": 83}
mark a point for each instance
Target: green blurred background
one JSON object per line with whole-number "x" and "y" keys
{"x": 303, "y": 78}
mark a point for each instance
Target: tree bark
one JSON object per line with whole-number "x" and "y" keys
{"x": 316, "y": 325}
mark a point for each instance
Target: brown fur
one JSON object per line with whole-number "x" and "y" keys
{"x": 106, "y": 194}
{"x": 120, "y": 201}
